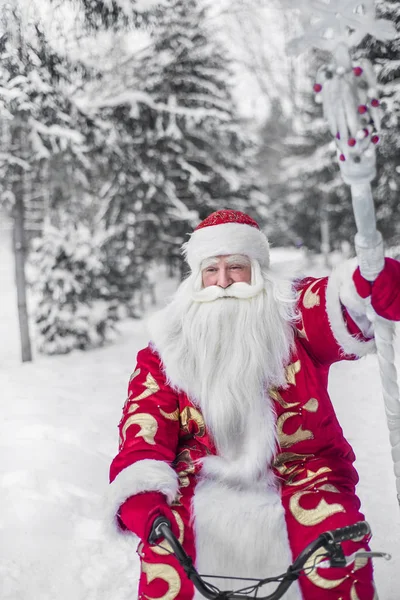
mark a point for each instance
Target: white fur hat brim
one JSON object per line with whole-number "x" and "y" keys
{"x": 225, "y": 239}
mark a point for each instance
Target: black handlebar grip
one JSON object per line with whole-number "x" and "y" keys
{"x": 155, "y": 532}
{"x": 358, "y": 530}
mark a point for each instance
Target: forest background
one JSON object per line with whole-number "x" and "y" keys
{"x": 123, "y": 124}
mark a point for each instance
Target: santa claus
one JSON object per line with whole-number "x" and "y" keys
{"x": 228, "y": 429}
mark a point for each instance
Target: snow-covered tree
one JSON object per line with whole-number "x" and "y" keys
{"x": 308, "y": 196}
{"x": 185, "y": 151}
{"x": 385, "y": 57}
{"x": 53, "y": 155}
{"x": 42, "y": 141}
{"x": 73, "y": 304}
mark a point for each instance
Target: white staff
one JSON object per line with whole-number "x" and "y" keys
{"x": 351, "y": 106}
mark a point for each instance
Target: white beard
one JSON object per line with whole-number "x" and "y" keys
{"x": 225, "y": 354}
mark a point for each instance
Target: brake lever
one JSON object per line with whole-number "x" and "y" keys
{"x": 327, "y": 564}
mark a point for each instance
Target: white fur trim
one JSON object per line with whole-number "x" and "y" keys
{"x": 224, "y": 239}
{"x": 240, "y": 532}
{"x": 143, "y": 476}
{"x": 341, "y": 291}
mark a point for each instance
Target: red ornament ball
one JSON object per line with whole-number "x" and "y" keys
{"x": 352, "y": 142}
{"x": 317, "y": 88}
{"x": 357, "y": 71}
{"x": 342, "y": 157}
{"x": 375, "y": 102}
{"x": 338, "y": 135}
{"x": 375, "y": 139}
{"x": 362, "y": 109}
{"x": 366, "y": 132}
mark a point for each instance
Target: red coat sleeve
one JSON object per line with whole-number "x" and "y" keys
{"x": 325, "y": 324}
{"x": 149, "y": 426}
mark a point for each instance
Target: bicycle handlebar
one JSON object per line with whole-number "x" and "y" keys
{"x": 329, "y": 540}
{"x": 351, "y": 532}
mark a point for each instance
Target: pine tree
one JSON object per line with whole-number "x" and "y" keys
{"x": 74, "y": 308}
{"x": 51, "y": 153}
{"x": 385, "y": 58}
{"x": 37, "y": 123}
{"x": 185, "y": 151}
{"x": 310, "y": 196}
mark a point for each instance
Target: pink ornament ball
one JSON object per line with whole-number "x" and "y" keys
{"x": 342, "y": 157}
{"x": 362, "y": 109}
{"x": 317, "y": 88}
{"x": 375, "y": 139}
{"x": 357, "y": 71}
{"x": 375, "y": 102}
{"x": 352, "y": 142}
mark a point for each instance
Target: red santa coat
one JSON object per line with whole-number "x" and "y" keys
{"x": 163, "y": 439}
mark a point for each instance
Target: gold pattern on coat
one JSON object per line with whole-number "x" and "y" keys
{"x": 292, "y": 470}
{"x": 285, "y": 440}
{"x": 148, "y": 427}
{"x": 134, "y": 374}
{"x": 191, "y": 414}
{"x": 285, "y": 457}
{"x": 132, "y": 408}
{"x": 185, "y": 458}
{"x": 275, "y": 395}
{"x": 315, "y": 578}
{"x": 311, "y": 475}
{"x": 328, "y": 487}
{"x": 164, "y": 548}
{"x": 151, "y": 386}
{"x": 311, "y": 405}
{"x": 291, "y": 372}
{"x": 167, "y": 574}
{"x": 353, "y": 593}
{"x": 313, "y": 516}
{"x": 174, "y": 416}
{"x": 302, "y": 332}
{"x": 310, "y": 298}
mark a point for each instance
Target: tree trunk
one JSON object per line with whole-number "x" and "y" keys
{"x": 20, "y": 251}
{"x": 20, "y": 280}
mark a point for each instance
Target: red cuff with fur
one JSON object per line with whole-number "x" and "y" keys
{"x": 384, "y": 291}
{"x": 139, "y": 512}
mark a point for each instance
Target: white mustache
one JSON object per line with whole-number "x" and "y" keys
{"x": 239, "y": 290}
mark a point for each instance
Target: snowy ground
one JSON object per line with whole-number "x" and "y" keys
{"x": 58, "y": 435}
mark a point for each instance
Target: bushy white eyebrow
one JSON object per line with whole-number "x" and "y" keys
{"x": 209, "y": 262}
{"x": 238, "y": 259}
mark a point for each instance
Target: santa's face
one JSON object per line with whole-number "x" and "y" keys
{"x": 223, "y": 271}
{"x": 230, "y": 276}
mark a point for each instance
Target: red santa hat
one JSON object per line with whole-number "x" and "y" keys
{"x": 226, "y": 232}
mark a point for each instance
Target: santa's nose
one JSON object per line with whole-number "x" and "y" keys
{"x": 224, "y": 280}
